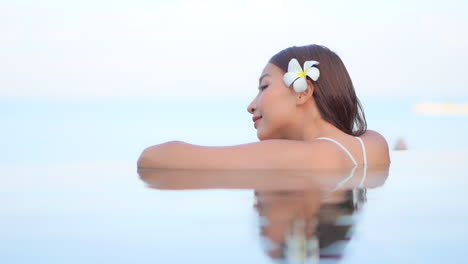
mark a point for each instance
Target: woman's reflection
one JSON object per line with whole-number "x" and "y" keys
{"x": 301, "y": 226}
{"x": 304, "y": 216}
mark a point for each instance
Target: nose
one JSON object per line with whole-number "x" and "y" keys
{"x": 252, "y": 106}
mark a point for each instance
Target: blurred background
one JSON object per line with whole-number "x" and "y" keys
{"x": 101, "y": 80}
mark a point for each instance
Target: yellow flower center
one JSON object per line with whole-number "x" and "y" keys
{"x": 302, "y": 74}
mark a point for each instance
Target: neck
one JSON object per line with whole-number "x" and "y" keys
{"x": 311, "y": 125}
{"x": 318, "y": 128}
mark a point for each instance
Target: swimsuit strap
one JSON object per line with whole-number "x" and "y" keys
{"x": 364, "y": 154}
{"x": 341, "y": 146}
{"x": 364, "y": 157}
{"x": 345, "y": 180}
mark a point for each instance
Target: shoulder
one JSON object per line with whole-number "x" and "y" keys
{"x": 376, "y": 147}
{"x": 294, "y": 154}
{"x": 328, "y": 154}
{"x": 374, "y": 139}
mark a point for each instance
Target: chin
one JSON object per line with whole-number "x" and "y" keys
{"x": 262, "y": 135}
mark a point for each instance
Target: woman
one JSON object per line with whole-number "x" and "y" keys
{"x": 306, "y": 117}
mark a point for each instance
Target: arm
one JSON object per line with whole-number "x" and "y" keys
{"x": 267, "y": 154}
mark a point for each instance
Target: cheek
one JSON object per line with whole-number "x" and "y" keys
{"x": 277, "y": 106}
{"x": 276, "y": 111}
{"x": 269, "y": 99}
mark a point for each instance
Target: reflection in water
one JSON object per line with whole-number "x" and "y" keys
{"x": 302, "y": 226}
{"x": 305, "y": 216}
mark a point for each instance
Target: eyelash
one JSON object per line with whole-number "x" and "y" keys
{"x": 263, "y": 87}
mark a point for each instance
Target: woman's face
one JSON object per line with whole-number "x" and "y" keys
{"x": 274, "y": 105}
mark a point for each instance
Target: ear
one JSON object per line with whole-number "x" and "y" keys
{"x": 305, "y": 96}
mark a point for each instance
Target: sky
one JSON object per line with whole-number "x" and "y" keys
{"x": 209, "y": 48}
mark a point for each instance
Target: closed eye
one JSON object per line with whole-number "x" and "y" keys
{"x": 263, "y": 87}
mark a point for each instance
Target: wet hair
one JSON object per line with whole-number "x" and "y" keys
{"x": 334, "y": 91}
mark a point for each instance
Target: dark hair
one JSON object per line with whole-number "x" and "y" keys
{"x": 334, "y": 91}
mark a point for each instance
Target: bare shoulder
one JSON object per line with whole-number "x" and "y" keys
{"x": 377, "y": 148}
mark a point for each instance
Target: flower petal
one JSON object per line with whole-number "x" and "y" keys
{"x": 300, "y": 85}
{"x": 309, "y": 64}
{"x": 294, "y": 66}
{"x": 289, "y": 78}
{"x": 314, "y": 73}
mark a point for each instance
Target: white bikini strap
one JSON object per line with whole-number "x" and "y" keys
{"x": 364, "y": 154}
{"x": 364, "y": 175}
{"x": 341, "y": 146}
{"x": 342, "y": 182}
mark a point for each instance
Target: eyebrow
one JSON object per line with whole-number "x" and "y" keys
{"x": 263, "y": 76}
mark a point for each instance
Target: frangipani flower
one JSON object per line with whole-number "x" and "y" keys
{"x": 298, "y": 248}
{"x": 297, "y": 76}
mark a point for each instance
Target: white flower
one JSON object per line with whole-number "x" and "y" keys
{"x": 297, "y": 76}
{"x": 298, "y": 248}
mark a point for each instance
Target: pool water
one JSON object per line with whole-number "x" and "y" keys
{"x": 414, "y": 212}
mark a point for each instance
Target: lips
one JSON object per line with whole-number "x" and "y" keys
{"x": 255, "y": 118}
